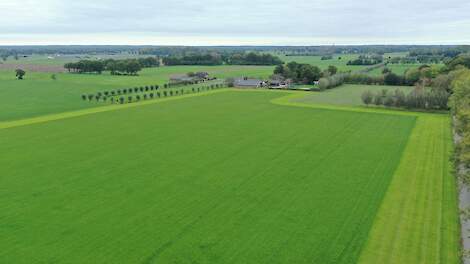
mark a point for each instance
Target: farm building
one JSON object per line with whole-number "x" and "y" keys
{"x": 202, "y": 75}
{"x": 248, "y": 83}
{"x": 279, "y": 84}
{"x": 181, "y": 78}
{"x": 190, "y": 77}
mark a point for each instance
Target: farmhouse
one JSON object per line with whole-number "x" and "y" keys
{"x": 248, "y": 83}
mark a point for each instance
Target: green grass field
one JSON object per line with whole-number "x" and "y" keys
{"x": 220, "y": 177}
{"x": 347, "y": 95}
{"x": 227, "y": 177}
{"x": 418, "y": 219}
{"x": 399, "y": 69}
{"x": 323, "y": 64}
{"x": 39, "y": 95}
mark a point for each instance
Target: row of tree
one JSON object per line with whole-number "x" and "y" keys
{"x": 102, "y": 97}
{"x": 253, "y": 58}
{"x": 116, "y": 67}
{"x": 332, "y": 81}
{"x": 419, "y": 98}
{"x": 194, "y": 59}
{"x": 460, "y": 106}
{"x": 410, "y": 78}
{"x": 136, "y": 90}
{"x": 214, "y": 58}
{"x": 303, "y": 73}
{"x": 366, "y": 60}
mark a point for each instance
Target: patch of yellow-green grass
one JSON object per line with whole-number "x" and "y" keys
{"x": 417, "y": 222}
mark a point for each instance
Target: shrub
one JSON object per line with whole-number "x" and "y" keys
{"x": 367, "y": 97}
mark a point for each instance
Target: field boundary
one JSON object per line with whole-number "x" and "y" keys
{"x": 95, "y": 110}
{"x": 287, "y": 100}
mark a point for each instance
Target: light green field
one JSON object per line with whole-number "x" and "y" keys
{"x": 399, "y": 69}
{"x": 323, "y": 64}
{"x": 39, "y": 95}
{"x": 227, "y": 177}
{"x": 347, "y": 95}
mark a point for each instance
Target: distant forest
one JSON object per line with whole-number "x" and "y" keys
{"x": 180, "y": 51}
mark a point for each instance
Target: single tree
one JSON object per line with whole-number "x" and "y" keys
{"x": 332, "y": 69}
{"x": 20, "y": 74}
{"x": 367, "y": 97}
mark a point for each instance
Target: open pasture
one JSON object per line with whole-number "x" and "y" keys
{"x": 227, "y": 177}
{"x": 40, "y": 95}
{"x": 338, "y": 60}
{"x": 347, "y": 95}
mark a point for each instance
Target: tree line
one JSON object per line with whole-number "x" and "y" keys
{"x": 366, "y": 60}
{"x": 427, "y": 98}
{"x": 459, "y": 103}
{"x": 303, "y": 73}
{"x": 136, "y": 94}
{"x": 194, "y": 59}
{"x": 250, "y": 58}
{"x": 116, "y": 67}
{"x": 429, "y": 93}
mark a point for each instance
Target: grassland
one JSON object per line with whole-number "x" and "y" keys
{"x": 418, "y": 218}
{"x": 339, "y": 60}
{"x": 39, "y": 94}
{"x": 347, "y": 95}
{"x": 401, "y": 69}
{"x": 228, "y": 177}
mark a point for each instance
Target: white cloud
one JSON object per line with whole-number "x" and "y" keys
{"x": 272, "y": 20}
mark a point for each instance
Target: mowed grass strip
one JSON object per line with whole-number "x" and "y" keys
{"x": 418, "y": 220}
{"x": 223, "y": 178}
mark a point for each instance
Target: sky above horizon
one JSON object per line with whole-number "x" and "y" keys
{"x": 241, "y": 22}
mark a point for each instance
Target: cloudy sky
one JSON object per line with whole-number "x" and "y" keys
{"x": 240, "y": 22}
